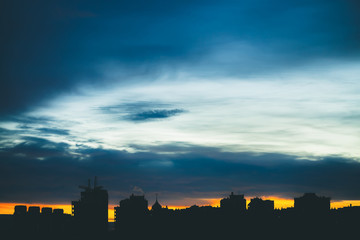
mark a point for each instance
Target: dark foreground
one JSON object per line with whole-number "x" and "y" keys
{"x": 200, "y": 224}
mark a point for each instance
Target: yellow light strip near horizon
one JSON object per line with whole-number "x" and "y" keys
{"x": 8, "y": 208}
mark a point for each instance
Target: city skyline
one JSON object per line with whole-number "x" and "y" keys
{"x": 215, "y": 202}
{"x": 136, "y": 219}
{"x": 187, "y": 99}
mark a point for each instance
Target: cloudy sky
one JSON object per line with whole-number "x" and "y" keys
{"x": 188, "y": 99}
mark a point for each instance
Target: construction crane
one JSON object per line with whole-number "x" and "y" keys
{"x": 88, "y": 187}
{"x": 95, "y": 184}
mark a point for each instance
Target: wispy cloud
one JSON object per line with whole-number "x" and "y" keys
{"x": 245, "y": 38}
{"x": 132, "y": 107}
{"x": 54, "y": 131}
{"x": 234, "y": 114}
{"x": 233, "y": 92}
{"x": 154, "y": 114}
{"x": 143, "y": 110}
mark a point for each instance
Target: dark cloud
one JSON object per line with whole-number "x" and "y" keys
{"x": 190, "y": 171}
{"x": 54, "y": 131}
{"x": 39, "y": 148}
{"x": 27, "y": 125}
{"x": 154, "y": 114}
{"x": 133, "y": 107}
{"x": 26, "y": 122}
{"x": 6, "y": 132}
{"x": 50, "y": 47}
{"x": 143, "y": 111}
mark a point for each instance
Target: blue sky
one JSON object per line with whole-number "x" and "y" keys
{"x": 259, "y": 97}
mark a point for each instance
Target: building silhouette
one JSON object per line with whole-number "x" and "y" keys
{"x": 31, "y": 222}
{"x": 132, "y": 207}
{"x": 156, "y": 207}
{"x": 259, "y": 206}
{"x": 311, "y": 204}
{"x": 91, "y": 211}
{"x": 310, "y": 218}
{"x": 131, "y": 214}
{"x": 34, "y": 211}
{"x": 233, "y": 203}
{"x": 46, "y": 211}
{"x": 136, "y": 206}
{"x": 20, "y": 210}
{"x": 58, "y": 211}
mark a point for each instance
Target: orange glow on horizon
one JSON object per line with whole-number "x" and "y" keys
{"x": 214, "y": 202}
{"x": 345, "y": 203}
{"x": 8, "y": 208}
{"x": 111, "y": 213}
{"x": 176, "y": 207}
{"x": 279, "y": 202}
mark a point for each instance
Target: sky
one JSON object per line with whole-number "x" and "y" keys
{"x": 190, "y": 100}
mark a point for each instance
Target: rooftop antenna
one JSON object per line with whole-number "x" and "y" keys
{"x": 156, "y": 196}
{"x": 88, "y": 187}
{"x": 95, "y": 184}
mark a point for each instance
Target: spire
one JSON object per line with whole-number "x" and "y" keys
{"x": 157, "y": 206}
